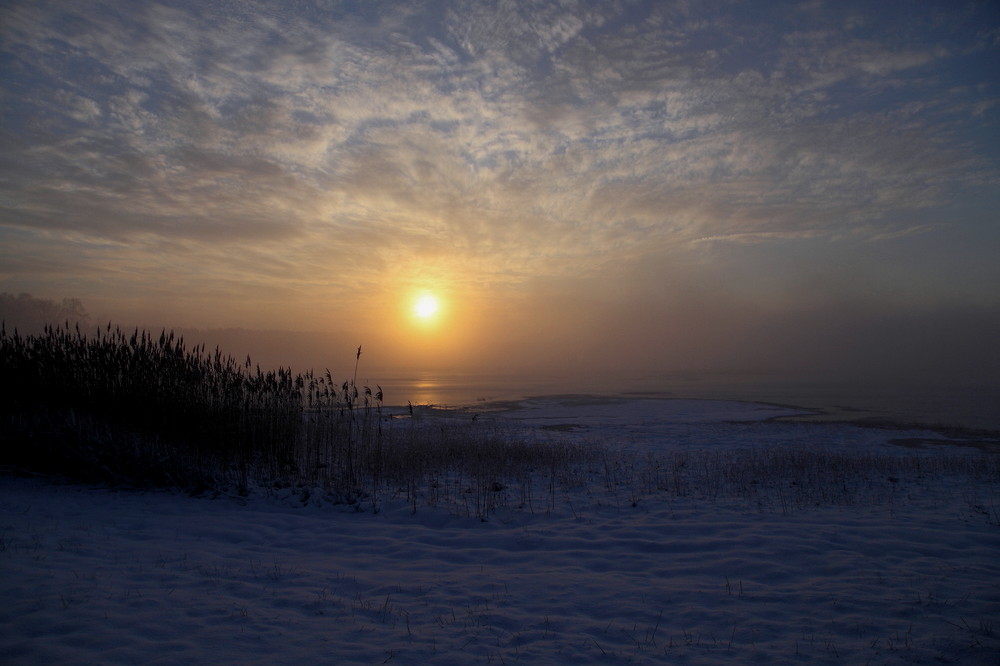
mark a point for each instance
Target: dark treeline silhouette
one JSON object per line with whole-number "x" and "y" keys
{"x": 30, "y": 314}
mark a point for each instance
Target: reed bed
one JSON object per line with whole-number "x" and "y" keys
{"x": 134, "y": 409}
{"x": 138, "y": 409}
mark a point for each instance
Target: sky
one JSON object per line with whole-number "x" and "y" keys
{"x": 585, "y": 187}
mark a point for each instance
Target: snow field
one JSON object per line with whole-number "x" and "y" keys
{"x": 881, "y": 572}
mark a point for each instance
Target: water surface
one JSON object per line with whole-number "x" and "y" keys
{"x": 952, "y": 405}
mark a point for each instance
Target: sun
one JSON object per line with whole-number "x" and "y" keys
{"x": 426, "y": 306}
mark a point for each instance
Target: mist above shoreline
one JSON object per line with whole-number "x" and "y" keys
{"x": 937, "y": 366}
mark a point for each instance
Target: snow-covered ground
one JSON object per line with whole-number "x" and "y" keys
{"x": 890, "y": 569}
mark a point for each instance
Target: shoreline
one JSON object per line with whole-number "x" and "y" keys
{"x": 984, "y": 439}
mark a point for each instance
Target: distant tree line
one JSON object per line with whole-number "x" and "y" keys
{"x": 30, "y": 315}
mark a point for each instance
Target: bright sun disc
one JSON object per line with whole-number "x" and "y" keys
{"x": 426, "y": 306}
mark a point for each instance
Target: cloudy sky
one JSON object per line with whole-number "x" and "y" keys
{"x": 633, "y": 185}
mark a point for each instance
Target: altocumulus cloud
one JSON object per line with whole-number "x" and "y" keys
{"x": 247, "y": 147}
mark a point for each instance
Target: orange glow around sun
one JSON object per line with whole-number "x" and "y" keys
{"x": 426, "y": 306}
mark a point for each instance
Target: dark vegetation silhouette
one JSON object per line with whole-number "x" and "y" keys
{"x": 133, "y": 408}
{"x": 139, "y": 410}
{"x": 31, "y": 314}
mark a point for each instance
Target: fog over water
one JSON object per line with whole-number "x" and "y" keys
{"x": 831, "y": 371}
